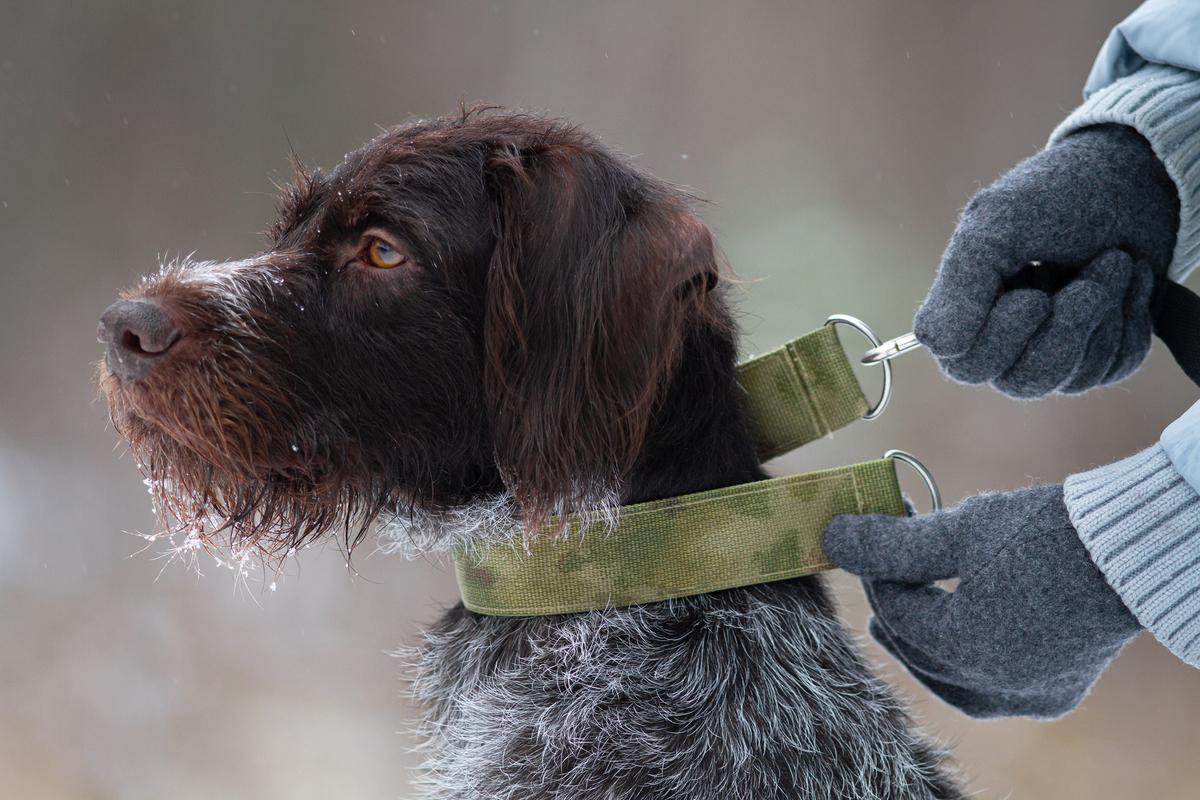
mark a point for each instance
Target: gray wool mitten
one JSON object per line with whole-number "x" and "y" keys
{"x": 1030, "y": 626}
{"x": 1045, "y": 285}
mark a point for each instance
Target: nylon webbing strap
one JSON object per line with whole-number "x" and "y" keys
{"x": 800, "y": 392}
{"x": 735, "y": 536}
{"x": 1175, "y": 310}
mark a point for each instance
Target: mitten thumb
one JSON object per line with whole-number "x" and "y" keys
{"x": 901, "y": 549}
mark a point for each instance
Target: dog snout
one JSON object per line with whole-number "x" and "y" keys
{"x": 139, "y": 334}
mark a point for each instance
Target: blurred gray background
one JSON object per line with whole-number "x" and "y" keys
{"x": 837, "y": 143}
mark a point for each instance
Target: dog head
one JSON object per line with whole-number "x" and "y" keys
{"x": 480, "y": 306}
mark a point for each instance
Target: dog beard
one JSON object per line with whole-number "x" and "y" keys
{"x": 206, "y": 439}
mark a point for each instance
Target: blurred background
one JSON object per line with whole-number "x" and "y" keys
{"x": 835, "y": 142}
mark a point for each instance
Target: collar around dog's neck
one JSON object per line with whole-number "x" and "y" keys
{"x": 704, "y": 542}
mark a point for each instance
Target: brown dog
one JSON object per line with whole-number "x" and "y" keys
{"x": 467, "y": 327}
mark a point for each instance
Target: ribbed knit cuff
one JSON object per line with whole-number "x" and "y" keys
{"x": 1140, "y": 520}
{"x": 1163, "y": 104}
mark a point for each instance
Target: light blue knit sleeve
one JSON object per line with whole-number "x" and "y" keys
{"x": 1163, "y": 104}
{"x": 1140, "y": 521}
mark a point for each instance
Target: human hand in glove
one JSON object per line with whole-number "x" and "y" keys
{"x": 1029, "y": 628}
{"x": 1045, "y": 285}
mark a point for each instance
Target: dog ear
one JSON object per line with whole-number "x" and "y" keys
{"x": 596, "y": 272}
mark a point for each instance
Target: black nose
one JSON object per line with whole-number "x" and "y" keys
{"x": 138, "y": 334}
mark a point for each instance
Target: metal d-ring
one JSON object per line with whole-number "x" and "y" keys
{"x": 861, "y": 327}
{"x": 930, "y": 483}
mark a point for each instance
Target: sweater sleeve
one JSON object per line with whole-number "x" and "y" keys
{"x": 1140, "y": 521}
{"x": 1163, "y": 104}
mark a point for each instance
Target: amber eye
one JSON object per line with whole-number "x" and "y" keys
{"x": 383, "y": 255}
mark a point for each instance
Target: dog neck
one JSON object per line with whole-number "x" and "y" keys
{"x": 699, "y": 438}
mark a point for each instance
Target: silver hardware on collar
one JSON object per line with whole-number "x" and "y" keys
{"x": 891, "y": 348}
{"x": 861, "y": 327}
{"x": 907, "y": 458}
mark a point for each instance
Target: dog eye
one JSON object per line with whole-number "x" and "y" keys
{"x": 382, "y": 255}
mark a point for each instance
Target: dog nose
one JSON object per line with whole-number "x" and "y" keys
{"x": 138, "y": 334}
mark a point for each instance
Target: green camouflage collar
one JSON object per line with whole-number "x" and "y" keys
{"x": 734, "y": 536}
{"x": 800, "y": 392}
